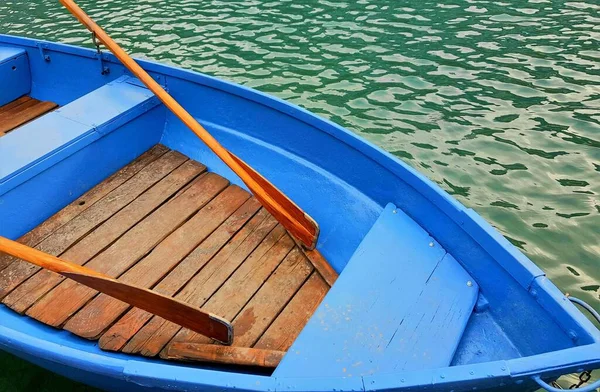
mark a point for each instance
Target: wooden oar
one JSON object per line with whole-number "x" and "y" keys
{"x": 168, "y": 308}
{"x": 297, "y": 222}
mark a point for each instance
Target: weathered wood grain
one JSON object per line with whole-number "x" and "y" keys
{"x": 171, "y": 309}
{"x": 85, "y": 201}
{"x": 241, "y": 356}
{"x": 67, "y": 235}
{"x": 25, "y": 295}
{"x": 24, "y": 113}
{"x": 322, "y": 265}
{"x": 241, "y": 286}
{"x": 271, "y": 298}
{"x": 16, "y": 102}
{"x": 157, "y": 333}
{"x": 103, "y": 310}
{"x": 118, "y": 335}
{"x": 68, "y": 297}
{"x": 287, "y": 326}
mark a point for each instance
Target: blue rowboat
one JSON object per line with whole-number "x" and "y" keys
{"x": 429, "y": 296}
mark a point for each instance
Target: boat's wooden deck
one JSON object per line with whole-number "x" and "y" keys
{"x": 165, "y": 223}
{"x": 21, "y": 111}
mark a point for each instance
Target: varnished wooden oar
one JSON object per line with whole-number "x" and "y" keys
{"x": 297, "y": 222}
{"x": 168, "y": 308}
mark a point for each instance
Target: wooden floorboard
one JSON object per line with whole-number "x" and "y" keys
{"x": 57, "y": 243}
{"x": 21, "y": 111}
{"x": 104, "y": 235}
{"x": 68, "y": 297}
{"x": 120, "y": 332}
{"x": 101, "y": 312}
{"x": 165, "y": 224}
{"x": 241, "y": 286}
{"x": 270, "y": 300}
{"x": 82, "y": 203}
{"x": 283, "y": 331}
{"x": 158, "y": 332}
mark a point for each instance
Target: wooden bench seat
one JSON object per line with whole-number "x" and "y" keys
{"x": 401, "y": 304}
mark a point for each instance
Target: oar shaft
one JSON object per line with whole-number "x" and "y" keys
{"x": 304, "y": 229}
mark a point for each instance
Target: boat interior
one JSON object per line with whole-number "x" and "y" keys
{"x": 96, "y": 171}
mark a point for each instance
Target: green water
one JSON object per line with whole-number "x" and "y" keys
{"x": 498, "y": 102}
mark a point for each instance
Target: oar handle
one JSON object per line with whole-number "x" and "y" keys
{"x": 296, "y": 221}
{"x": 44, "y": 260}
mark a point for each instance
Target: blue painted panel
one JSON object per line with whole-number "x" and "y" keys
{"x": 484, "y": 341}
{"x": 66, "y": 77}
{"x": 36, "y": 199}
{"x": 492, "y": 376}
{"x": 401, "y": 304}
{"x": 47, "y": 140}
{"x": 111, "y": 105}
{"x": 15, "y": 77}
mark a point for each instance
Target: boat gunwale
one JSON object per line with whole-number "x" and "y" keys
{"x": 519, "y": 267}
{"x": 157, "y": 373}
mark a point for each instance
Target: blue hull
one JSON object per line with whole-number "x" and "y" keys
{"x": 521, "y": 326}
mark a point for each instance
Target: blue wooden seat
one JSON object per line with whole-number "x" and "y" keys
{"x": 401, "y": 303}
{"x": 60, "y": 133}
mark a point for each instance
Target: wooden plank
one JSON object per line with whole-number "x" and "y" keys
{"x": 71, "y": 232}
{"x": 241, "y": 286}
{"x": 322, "y": 265}
{"x": 9, "y": 123}
{"x": 271, "y": 298}
{"x": 16, "y": 109}
{"x": 157, "y": 333}
{"x": 227, "y": 355}
{"x": 118, "y": 335}
{"x": 25, "y": 295}
{"x": 85, "y": 201}
{"x": 14, "y": 103}
{"x": 103, "y": 310}
{"x": 127, "y": 250}
{"x": 287, "y": 326}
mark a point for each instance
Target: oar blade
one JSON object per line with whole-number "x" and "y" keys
{"x": 166, "y": 307}
{"x": 298, "y": 223}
